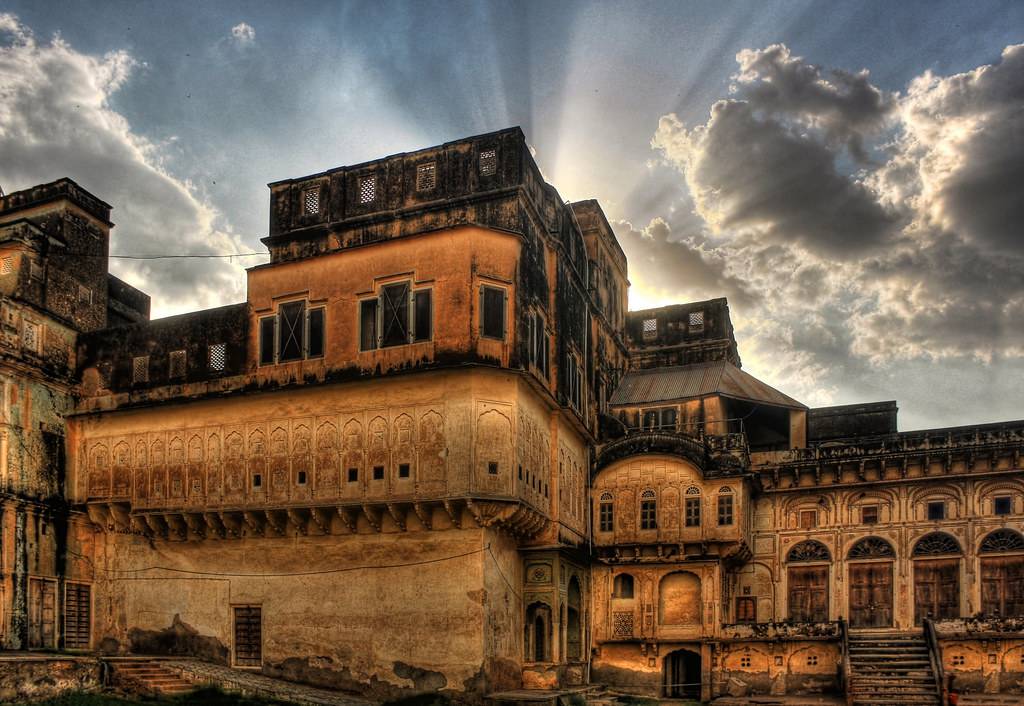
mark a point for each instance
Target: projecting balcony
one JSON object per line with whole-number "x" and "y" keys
{"x": 715, "y": 456}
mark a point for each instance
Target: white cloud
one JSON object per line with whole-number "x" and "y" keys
{"x": 56, "y": 120}
{"x": 243, "y": 33}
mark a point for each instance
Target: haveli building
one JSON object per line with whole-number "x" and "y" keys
{"x": 433, "y": 450}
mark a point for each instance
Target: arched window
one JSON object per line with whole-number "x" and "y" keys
{"x": 725, "y": 506}
{"x": 1002, "y": 573}
{"x": 1002, "y": 540}
{"x": 623, "y": 586}
{"x": 871, "y": 548}
{"x": 809, "y": 550}
{"x": 936, "y": 543}
{"x": 648, "y": 510}
{"x": 691, "y": 507}
{"x": 606, "y": 513}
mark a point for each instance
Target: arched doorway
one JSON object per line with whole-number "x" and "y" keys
{"x": 679, "y": 601}
{"x": 1001, "y": 556}
{"x": 807, "y": 578}
{"x": 936, "y": 577}
{"x": 870, "y": 586}
{"x": 537, "y": 630}
{"x": 574, "y": 635}
{"x": 682, "y": 677}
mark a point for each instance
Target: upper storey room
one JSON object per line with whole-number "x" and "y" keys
{"x": 451, "y": 255}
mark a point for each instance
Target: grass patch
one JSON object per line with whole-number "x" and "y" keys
{"x": 205, "y": 696}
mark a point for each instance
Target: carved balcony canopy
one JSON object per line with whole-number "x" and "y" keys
{"x": 714, "y": 456}
{"x": 181, "y": 524}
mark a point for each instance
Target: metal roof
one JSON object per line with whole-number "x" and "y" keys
{"x": 683, "y": 382}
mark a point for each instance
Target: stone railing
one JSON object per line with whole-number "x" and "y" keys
{"x": 782, "y": 631}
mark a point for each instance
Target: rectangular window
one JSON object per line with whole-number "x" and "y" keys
{"x": 724, "y": 510}
{"x": 606, "y": 517}
{"x": 35, "y": 271}
{"x": 140, "y": 369}
{"x": 315, "y": 333}
{"x": 300, "y": 478}
{"x": 492, "y": 468}
{"x": 426, "y": 176}
{"x": 368, "y": 324}
{"x": 367, "y": 189}
{"x": 7, "y": 265}
{"x": 538, "y": 343}
{"x": 218, "y": 357}
{"x": 311, "y": 201}
{"x": 648, "y": 515}
{"x": 492, "y": 312}
{"x": 403, "y": 470}
{"x": 267, "y": 340}
{"x": 1002, "y": 505}
{"x": 353, "y": 475}
{"x": 869, "y": 514}
{"x": 422, "y": 315}
{"x": 257, "y": 480}
{"x": 808, "y": 519}
{"x": 937, "y": 510}
{"x": 746, "y": 609}
{"x": 692, "y": 506}
{"x": 668, "y": 418}
{"x": 290, "y": 321}
{"x": 77, "y": 610}
{"x": 378, "y": 472}
{"x": 394, "y": 299}
{"x": 176, "y": 364}
{"x": 696, "y": 320}
{"x": 488, "y": 162}
{"x": 31, "y": 336}
{"x": 248, "y": 636}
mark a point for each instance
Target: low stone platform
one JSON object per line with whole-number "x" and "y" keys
{"x": 780, "y": 701}
{"x": 253, "y": 684}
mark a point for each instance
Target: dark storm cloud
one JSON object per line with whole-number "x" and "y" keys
{"x": 756, "y": 172}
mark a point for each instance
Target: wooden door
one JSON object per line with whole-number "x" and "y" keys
{"x": 41, "y": 611}
{"x": 936, "y": 589}
{"x": 248, "y": 636}
{"x": 1002, "y": 586}
{"x": 77, "y": 615}
{"x": 871, "y": 595}
{"x": 808, "y": 593}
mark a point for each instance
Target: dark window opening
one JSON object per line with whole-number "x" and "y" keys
{"x": 291, "y": 317}
{"x": 648, "y": 511}
{"x": 746, "y": 609}
{"x": 257, "y": 480}
{"x": 869, "y": 514}
{"x": 622, "y": 586}
{"x": 394, "y": 314}
{"x": 423, "y": 315}
{"x": 403, "y": 470}
{"x": 353, "y": 475}
{"x": 606, "y": 517}
{"x": 492, "y": 468}
{"x": 937, "y": 510}
{"x": 368, "y": 324}
{"x": 725, "y": 510}
{"x": 378, "y": 472}
{"x": 692, "y": 506}
{"x": 315, "y": 341}
{"x": 520, "y": 473}
{"x": 301, "y": 479}
{"x": 267, "y": 340}
{"x": 492, "y": 312}
{"x": 1002, "y": 505}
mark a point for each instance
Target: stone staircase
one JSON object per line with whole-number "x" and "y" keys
{"x": 148, "y": 676}
{"x": 891, "y": 670}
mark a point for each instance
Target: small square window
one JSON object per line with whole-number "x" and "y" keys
{"x": 808, "y": 519}
{"x": 218, "y": 357}
{"x": 492, "y": 468}
{"x": 745, "y": 662}
{"x": 812, "y": 660}
{"x": 488, "y": 162}
{"x": 257, "y": 480}
{"x": 426, "y": 176}
{"x": 176, "y": 364}
{"x": 140, "y": 369}
{"x": 1002, "y": 505}
{"x": 367, "y": 189}
{"x": 353, "y": 475}
{"x": 937, "y": 510}
{"x": 958, "y": 660}
{"x": 403, "y": 470}
{"x": 301, "y": 478}
{"x": 650, "y": 329}
{"x": 378, "y": 472}
{"x": 696, "y": 319}
{"x": 311, "y": 201}
{"x": 869, "y": 514}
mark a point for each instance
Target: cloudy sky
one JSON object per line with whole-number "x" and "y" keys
{"x": 850, "y": 175}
